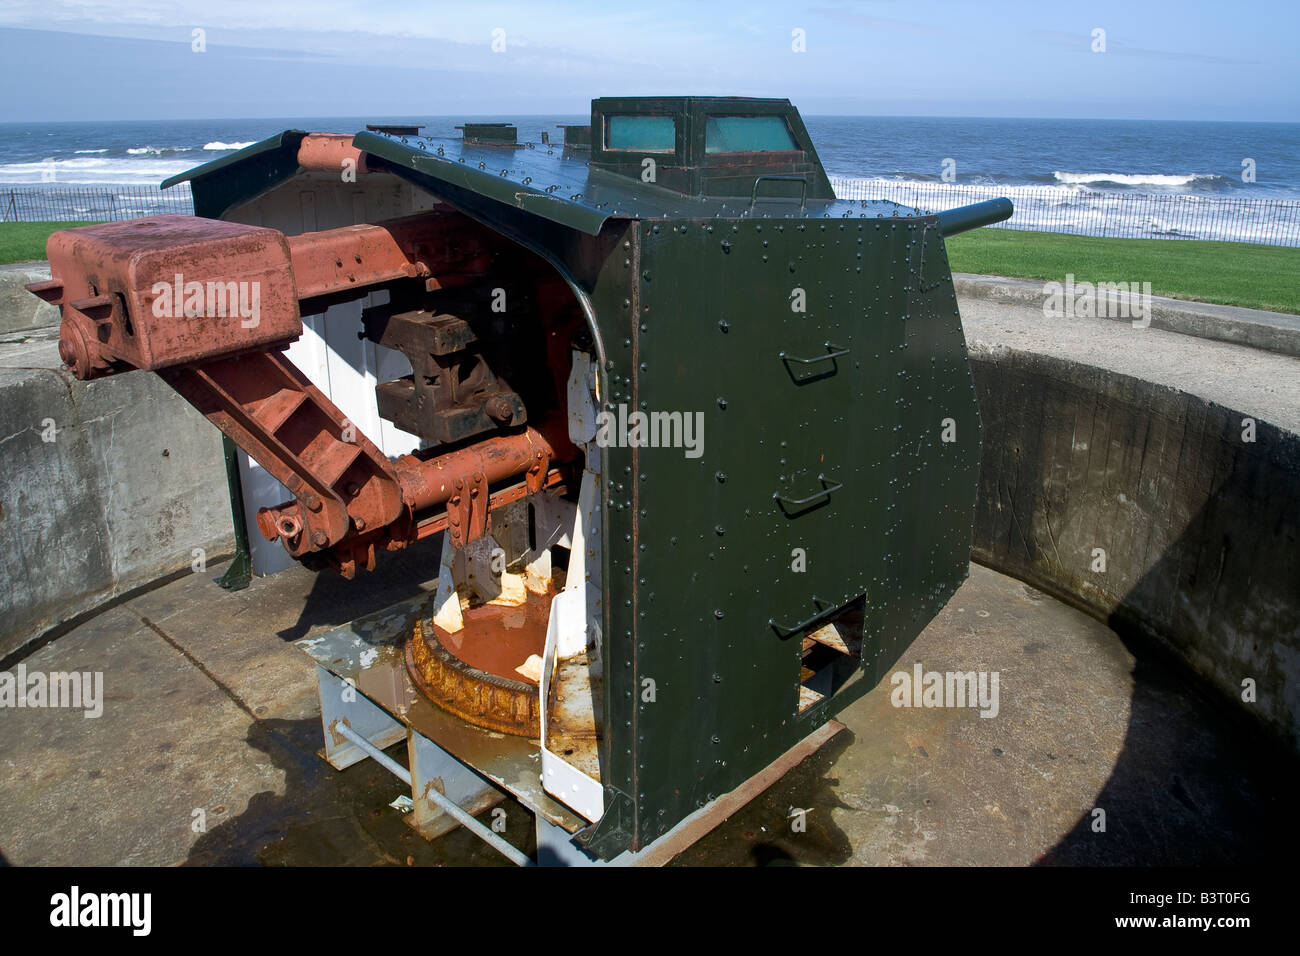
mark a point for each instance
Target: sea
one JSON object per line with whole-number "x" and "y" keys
{"x": 1079, "y": 168}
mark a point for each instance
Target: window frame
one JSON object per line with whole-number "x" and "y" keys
{"x": 638, "y": 151}
{"x": 794, "y": 139}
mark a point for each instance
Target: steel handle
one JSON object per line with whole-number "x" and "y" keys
{"x": 834, "y": 353}
{"x": 783, "y": 632}
{"x": 824, "y": 493}
{"x": 801, "y": 180}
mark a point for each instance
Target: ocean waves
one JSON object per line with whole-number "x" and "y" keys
{"x": 1207, "y": 183}
{"x": 1135, "y": 179}
{"x": 114, "y": 165}
{"x": 87, "y": 170}
{"x": 1081, "y": 210}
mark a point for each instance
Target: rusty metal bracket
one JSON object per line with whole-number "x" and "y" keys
{"x": 467, "y": 509}
{"x": 536, "y": 476}
{"x": 271, "y": 410}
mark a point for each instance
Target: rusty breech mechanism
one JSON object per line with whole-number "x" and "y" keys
{"x": 210, "y": 307}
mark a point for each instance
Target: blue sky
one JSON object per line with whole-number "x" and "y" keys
{"x": 64, "y": 60}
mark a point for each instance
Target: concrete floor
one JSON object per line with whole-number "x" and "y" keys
{"x": 210, "y": 708}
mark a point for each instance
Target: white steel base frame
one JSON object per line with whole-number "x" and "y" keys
{"x": 436, "y": 775}
{"x": 432, "y": 769}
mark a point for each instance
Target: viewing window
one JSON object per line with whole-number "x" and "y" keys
{"x": 748, "y": 134}
{"x": 640, "y": 133}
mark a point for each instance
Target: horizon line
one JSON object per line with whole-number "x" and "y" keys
{"x": 523, "y": 116}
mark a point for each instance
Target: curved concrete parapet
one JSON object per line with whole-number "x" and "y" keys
{"x": 20, "y": 311}
{"x": 107, "y": 486}
{"x": 1154, "y": 479}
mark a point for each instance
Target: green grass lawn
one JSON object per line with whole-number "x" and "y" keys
{"x": 1230, "y": 273}
{"x": 25, "y": 241}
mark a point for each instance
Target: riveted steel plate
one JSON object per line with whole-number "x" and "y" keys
{"x": 816, "y": 481}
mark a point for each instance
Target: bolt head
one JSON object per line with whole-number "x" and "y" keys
{"x": 499, "y": 409}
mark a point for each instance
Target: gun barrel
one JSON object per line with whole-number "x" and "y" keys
{"x": 964, "y": 218}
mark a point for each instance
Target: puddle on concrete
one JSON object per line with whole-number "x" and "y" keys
{"x": 327, "y": 817}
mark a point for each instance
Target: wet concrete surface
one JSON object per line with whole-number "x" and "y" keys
{"x": 206, "y": 750}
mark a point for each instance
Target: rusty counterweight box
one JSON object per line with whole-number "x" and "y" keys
{"x": 125, "y": 285}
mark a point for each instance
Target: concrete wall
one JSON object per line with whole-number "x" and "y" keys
{"x": 1199, "y": 527}
{"x": 20, "y": 311}
{"x": 132, "y": 482}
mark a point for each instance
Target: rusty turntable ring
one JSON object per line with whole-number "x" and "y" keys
{"x": 486, "y": 700}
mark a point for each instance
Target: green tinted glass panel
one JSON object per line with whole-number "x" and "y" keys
{"x": 747, "y": 134}
{"x": 651, "y": 134}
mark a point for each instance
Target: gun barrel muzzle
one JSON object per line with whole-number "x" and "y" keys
{"x": 964, "y": 218}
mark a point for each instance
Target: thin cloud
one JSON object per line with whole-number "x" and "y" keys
{"x": 885, "y": 24}
{"x": 1082, "y": 42}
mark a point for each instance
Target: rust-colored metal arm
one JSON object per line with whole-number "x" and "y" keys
{"x": 211, "y": 305}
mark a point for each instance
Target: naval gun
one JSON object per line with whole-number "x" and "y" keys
{"x": 700, "y": 438}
